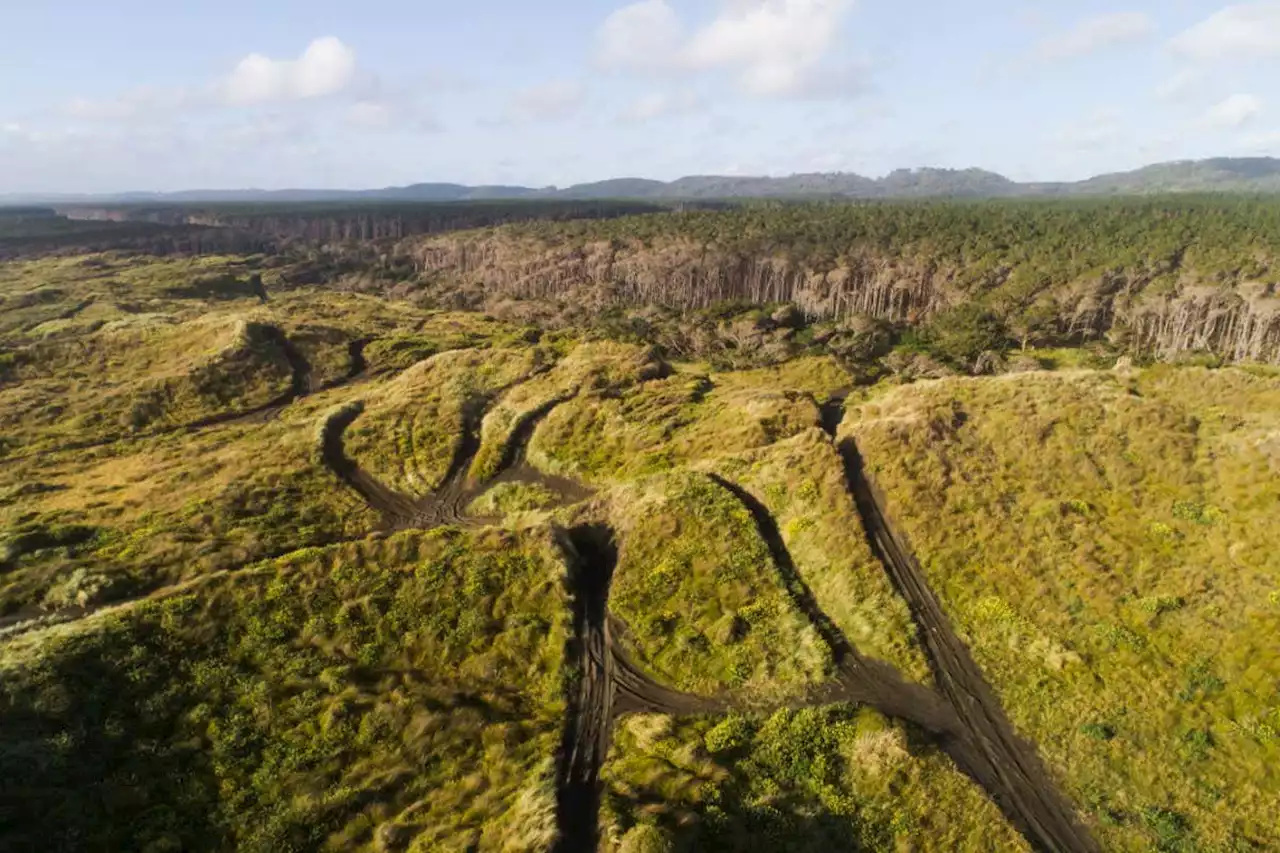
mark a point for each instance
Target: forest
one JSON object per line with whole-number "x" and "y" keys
{"x": 1155, "y": 277}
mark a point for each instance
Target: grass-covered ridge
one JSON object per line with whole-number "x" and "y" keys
{"x": 705, "y": 607}
{"x": 801, "y": 482}
{"x": 1098, "y": 540}
{"x": 216, "y": 634}
{"x": 665, "y": 423}
{"x": 353, "y": 697}
{"x": 412, "y": 426}
{"x": 166, "y": 509}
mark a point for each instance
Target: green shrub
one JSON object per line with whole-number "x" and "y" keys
{"x": 1098, "y": 731}
{"x": 1171, "y": 830}
{"x": 963, "y": 333}
{"x": 729, "y": 735}
{"x": 1196, "y": 744}
{"x": 646, "y": 838}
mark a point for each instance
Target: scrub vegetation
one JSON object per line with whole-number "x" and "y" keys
{"x": 334, "y": 546}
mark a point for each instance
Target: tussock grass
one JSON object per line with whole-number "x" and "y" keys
{"x": 593, "y": 369}
{"x": 175, "y": 506}
{"x": 822, "y": 377}
{"x": 424, "y": 334}
{"x": 372, "y": 695}
{"x": 665, "y": 423}
{"x": 513, "y": 498}
{"x": 121, "y": 383}
{"x": 835, "y": 778}
{"x": 413, "y": 424}
{"x": 1102, "y": 542}
{"x": 704, "y": 604}
{"x": 801, "y": 482}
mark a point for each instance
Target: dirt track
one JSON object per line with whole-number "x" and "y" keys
{"x": 609, "y": 686}
{"x": 989, "y": 750}
{"x": 963, "y": 715}
{"x": 447, "y": 503}
{"x": 592, "y": 556}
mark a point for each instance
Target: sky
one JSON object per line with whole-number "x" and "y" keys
{"x": 153, "y": 95}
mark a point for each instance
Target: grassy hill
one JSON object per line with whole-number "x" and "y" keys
{"x": 297, "y": 553}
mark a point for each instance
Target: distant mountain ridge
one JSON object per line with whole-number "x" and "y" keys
{"x": 1221, "y": 174}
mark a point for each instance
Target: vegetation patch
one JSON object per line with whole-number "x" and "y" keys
{"x": 1144, "y": 608}
{"x": 412, "y": 687}
{"x": 591, "y": 369}
{"x": 661, "y": 424}
{"x": 704, "y": 604}
{"x": 802, "y": 484}
{"x": 413, "y": 426}
{"x": 811, "y": 780}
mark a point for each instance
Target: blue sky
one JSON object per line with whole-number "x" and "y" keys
{"x": 98, "y": 97}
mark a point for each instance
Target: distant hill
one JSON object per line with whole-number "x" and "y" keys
{"x": 1220, "y": 174}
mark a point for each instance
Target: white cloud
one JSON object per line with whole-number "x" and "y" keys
{"x": 86, "y": 108}
{"x": 657, "y": 104}
{"x": 1234, "y": 111}
{"x": 552, "y": 101}
{"x": 372, "y": 114}
{"x": 326, "y": 67}
{"x": 1093, "y": 34}
{"x": 772, "y": 47}
{"x": 13, "y": 133}
{"x": 642, "y": 35}
{"x": 145, "y": 101}
{"x": 776, "y": 46}
{"x": 1180, "y": 85}
{"x": 1242, "y": 31}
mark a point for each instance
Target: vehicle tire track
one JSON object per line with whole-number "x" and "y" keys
{"x": 458, "y": 490}
{"x": 636, "y": 692}
{"x": 389, "y": 503}
{"x": 591, "y": 555}
{"x": 1007, "y": 766}
{"x": 516, "y": 451}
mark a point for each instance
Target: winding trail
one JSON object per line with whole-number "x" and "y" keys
{"x": 609, "y": 685}
{"x": 447, "y": 503}
{"x": 962, "y": 715}
{"x": 391, "y": 504}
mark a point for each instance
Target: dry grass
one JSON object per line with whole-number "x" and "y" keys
{"x": 412, "y": 425}
{"x": 175, "y": 506}
{"x": 1102, "y": 540}
{"x": 814, "y": 780}
{"x": 592, "y": 369}
{"x": 659, "y": 425}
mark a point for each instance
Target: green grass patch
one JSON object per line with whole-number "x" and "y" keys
{"x": 701, "y": 596}
{"x": 1121, "y": 521}
{"x": 334, "y": 699}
